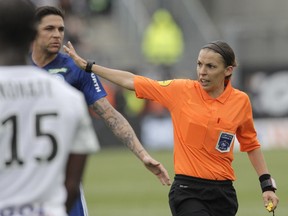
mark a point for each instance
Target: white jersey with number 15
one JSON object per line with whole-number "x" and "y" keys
{"x": 42, "y": 121}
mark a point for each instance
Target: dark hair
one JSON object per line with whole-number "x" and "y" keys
{"x": 48, "y": 10}
{"x": 17, "y": 23}
{"x": 224, "y": 50}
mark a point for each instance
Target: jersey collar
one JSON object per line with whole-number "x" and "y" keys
{"x": 222, "y": 98}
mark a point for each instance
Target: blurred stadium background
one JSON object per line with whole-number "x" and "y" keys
{"x": 123, "y": 34}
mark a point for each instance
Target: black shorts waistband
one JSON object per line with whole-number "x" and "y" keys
{"x": 190, "y": 179}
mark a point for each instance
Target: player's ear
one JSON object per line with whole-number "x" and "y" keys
{"x": 228, "y": 71}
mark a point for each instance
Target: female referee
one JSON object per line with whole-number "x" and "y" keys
{"x": 207, "y": 114}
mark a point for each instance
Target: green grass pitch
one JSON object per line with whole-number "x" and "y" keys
{"x": 117, "y": 184}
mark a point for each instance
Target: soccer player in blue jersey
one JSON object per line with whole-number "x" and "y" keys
{"x": 46, "y": 54}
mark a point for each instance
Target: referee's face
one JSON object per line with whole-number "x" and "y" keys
{"x": 211, "y": 71}
{"x": 50, "y": 34}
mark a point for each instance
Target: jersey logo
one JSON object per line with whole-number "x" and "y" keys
{"x": 57, "y": 70}
{"x": 59, "y": 76}
{"x": 165, "y": 82}
{"x": 225, "y": 141}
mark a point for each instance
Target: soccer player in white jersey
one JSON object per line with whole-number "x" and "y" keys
{"x": 45, "y": 129}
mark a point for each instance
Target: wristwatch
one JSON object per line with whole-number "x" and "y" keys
{"x": 89, "y": 66}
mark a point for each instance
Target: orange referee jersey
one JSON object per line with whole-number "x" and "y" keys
{"x": 204, "y": 127}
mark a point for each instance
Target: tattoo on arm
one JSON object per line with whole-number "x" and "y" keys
{"x": 118, "y": 125}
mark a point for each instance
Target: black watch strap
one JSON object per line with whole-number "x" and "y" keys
{"x": 89, "y": 66}
{"x": 267, "y": 183}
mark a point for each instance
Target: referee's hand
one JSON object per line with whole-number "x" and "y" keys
{"x": 270, "y": 200}
{"x": 79, "y": 61}
{"x": 157, "y": 169}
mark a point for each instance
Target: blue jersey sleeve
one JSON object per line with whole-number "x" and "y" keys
{"x": 88, "y": 83}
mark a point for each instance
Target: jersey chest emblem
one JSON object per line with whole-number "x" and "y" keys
{"x": 224, "y": 142}
{"x": 165, "y": 82}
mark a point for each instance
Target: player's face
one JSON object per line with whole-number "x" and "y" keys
{"x": 50, "y": 34}
{"x": 212, "y": 71}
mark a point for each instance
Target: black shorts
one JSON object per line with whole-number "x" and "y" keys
{"x": 190, "y": 196}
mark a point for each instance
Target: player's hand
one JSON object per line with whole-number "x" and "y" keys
{"x": 270, "y": 200}
{"x": 69, "y": 49}
{"x": 157, "y": 169}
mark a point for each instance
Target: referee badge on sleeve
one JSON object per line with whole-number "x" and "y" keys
{"x": 225, "y": 141}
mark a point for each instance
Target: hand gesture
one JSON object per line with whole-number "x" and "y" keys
{"x": 157, "y": 169}
{"x": 69, "y": 49}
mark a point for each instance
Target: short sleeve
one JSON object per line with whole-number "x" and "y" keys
{"x": 246, "y": 133}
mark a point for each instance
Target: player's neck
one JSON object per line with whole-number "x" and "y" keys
{"x": 41, "y": 59}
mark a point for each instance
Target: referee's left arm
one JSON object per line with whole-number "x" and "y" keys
{"x": 267, "y": 183}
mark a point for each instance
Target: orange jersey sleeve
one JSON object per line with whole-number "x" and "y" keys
{"x": 204, "y": 128}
